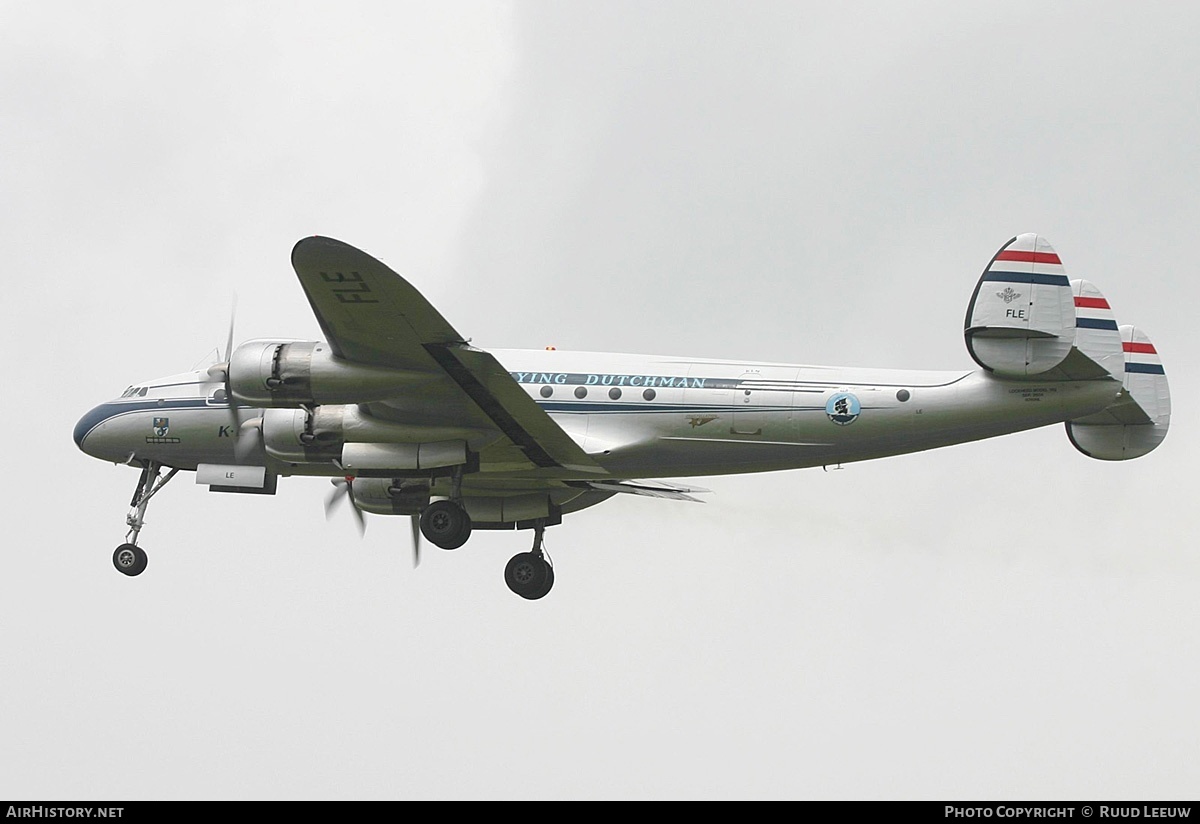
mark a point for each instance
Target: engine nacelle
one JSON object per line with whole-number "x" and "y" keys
{"x": 391, "y": 496}
{"x": 276, "y": 373}
{"x": 365, "y": 445}
{"x": 297, "y": 436}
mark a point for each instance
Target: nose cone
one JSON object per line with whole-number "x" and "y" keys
{"x": 81, "y": 429}
{"x": 86, "y": 435}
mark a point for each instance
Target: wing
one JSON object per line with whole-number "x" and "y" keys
{"x": 371, "y": 315}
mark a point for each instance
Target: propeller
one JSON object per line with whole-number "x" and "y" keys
{"x": 343, "y": 489}
{"x": 248, "y": 438}
{"x": 229, "y": 339}
{"x": 248, "y": 435}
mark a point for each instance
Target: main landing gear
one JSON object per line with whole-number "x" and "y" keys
{"x": 529, "y": 574}
{"x": 129, "y": 558}
{"x": 446, "y": 524}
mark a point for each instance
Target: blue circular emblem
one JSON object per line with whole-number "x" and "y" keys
{"x": 843, "y": 409}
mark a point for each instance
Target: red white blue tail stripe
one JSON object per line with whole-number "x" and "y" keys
{"x": 1091, "y": 308}
{"x": 1027, "y": 258}
{"x": 1096, "y": 333}
{"x": 1021, "y": 319}
{"x": 1140, "y": 355}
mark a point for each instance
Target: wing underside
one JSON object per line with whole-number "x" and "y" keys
{"x": 371, "y": 315}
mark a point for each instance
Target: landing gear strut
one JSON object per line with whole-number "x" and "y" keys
{"x": 529, "y": 574}
{"x": 129, "y": 558}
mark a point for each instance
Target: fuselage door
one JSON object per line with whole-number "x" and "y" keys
{"x": 749, "y": 397}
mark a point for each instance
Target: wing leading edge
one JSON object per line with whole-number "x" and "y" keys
{"x": 371, "y": 315}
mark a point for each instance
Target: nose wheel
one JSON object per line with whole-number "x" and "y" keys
{"x": 130, "y": 559}
{"x": 529, "y": 574}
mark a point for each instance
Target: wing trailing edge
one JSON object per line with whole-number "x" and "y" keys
{"x": 650, "y": 489}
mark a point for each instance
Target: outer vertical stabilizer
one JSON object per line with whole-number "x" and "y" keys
{"x": 1138, "y": 420}
{"x": 1021, "y": 319}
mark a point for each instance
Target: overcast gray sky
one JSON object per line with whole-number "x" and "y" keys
{"x": 787, "y": 182}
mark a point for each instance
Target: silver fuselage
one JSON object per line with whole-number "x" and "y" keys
{"x": 641, "y": 416}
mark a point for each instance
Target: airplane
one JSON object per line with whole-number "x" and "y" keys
{"x": 408, "y": 418}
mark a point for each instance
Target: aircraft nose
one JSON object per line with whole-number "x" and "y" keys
{"x": 85, "y": 427}
{"x": 81, "y": 429}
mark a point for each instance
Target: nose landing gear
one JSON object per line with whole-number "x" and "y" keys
{"x": 129, "y": 558}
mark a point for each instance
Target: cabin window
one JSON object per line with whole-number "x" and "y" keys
{"x": 903, "y": 395}
{"x": 648, "y": 394}
{"x": 547, "y": 391}
{"x": 614, "y": 393}
{"x": 581, "y": 392}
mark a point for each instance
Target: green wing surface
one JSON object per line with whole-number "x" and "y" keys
{"x": 371, "y": 315}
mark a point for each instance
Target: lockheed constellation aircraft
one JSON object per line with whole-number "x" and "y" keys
{"x": 409, "y": 419}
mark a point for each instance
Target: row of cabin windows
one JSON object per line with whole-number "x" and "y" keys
{"x": 581, "y": 392}
{"x": 615, "y": 393}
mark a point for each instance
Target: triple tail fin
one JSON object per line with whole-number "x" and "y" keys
{"x": 1026, "y": 320}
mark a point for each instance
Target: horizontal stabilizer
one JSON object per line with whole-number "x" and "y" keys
{"x": 1021, "y": 319}
{"x": 1137, "y": 421}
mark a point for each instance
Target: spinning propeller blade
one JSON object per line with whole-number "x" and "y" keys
{"x": 248, "y": 435}
{"x": 416, "y": 540}
{"x": 247, "y": 439}
{"x": 229, "y": 339}
{"x": 343, "y": 489}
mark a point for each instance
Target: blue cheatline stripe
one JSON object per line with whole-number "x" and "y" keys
{"x": 114, "y": 409}
{"x": 1146, "y": 368}
{"x": 1095, "y": 323}
{"x": 608, "y": 407}
{"x": 1027, "y": 277}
